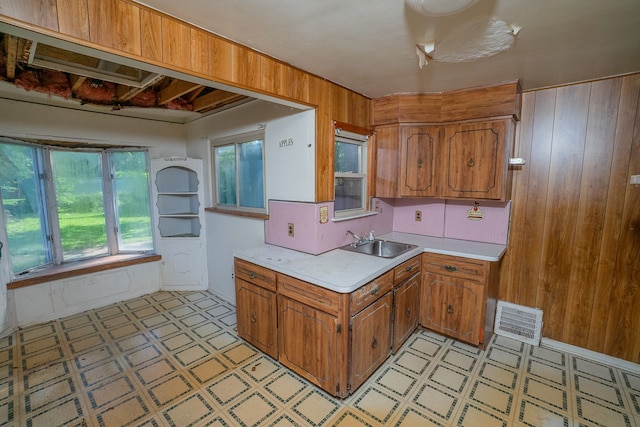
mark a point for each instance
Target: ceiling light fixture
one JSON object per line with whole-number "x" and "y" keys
{"x": 439, "y": 7}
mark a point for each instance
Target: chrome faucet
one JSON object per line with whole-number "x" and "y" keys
{"x": 359, "y": 240}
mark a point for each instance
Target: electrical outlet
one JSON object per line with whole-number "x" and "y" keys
{"x": 418, "y": 216}
{"x": 290, "y": 228}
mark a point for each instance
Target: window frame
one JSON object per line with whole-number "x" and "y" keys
{"x": 362, "y": 140}
{"x": 48, "y": 202}
{"x": 236, "y": 140}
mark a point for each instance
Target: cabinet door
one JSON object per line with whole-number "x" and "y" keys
{"x": 308, "y": 343}
{"x": 406, "y": 311}
{"x": 418, "y": 145}
{"x": 256, "y": 314}
{"x": 453, "y": 307}
{"x": 370, "y": 339}
{"x": 476, "y": 160}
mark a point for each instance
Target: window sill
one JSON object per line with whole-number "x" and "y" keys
{"x": 238, "y": 213}
{"x": 354, "y": 216}
{"x": 81, "y": 267}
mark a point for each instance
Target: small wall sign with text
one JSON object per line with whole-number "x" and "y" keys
{"x": 286, "y": 143}
{"x": 475, "y": 213}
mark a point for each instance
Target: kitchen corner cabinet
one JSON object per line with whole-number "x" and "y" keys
{"x": 454, "y": 160}
{"x": 256, "y": 306}
{"x": 459, "y": 297}
{"x": 177, "y": 191}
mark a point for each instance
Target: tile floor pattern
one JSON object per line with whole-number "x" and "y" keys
{"x": 174, "y": 359}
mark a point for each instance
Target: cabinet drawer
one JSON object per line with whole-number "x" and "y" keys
{"x": 463, "y": 268}
{"x": 255, "y": 274}
{"x": 370, "y": 292}
{"x": 306, "y": 293}
{"x": 406, "y": 270}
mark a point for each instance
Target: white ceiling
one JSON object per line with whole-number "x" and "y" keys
{"x": 370, "y": 46}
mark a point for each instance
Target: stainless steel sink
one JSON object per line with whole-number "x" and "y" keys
{"x": 380, "y": 248}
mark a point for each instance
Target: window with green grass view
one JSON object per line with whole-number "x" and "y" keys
{"x": 239, "y": 172}
{"x": 350, "y": 174}
{"x": 67, "y": 205}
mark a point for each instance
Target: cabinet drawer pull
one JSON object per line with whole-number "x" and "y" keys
{"x": 252, "y": 275}
{"x": 470, "y": 163}
{"x": 374, "y": 342}
{"x": 450, "y": 309}
{"x": 375, "y": 290}
{"x": 408, "y": 269}
{"x": 254, "y": 318}
{"x": 450, "y": 268}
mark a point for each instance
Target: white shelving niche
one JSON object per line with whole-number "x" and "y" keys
{"x": 179, "y": 219}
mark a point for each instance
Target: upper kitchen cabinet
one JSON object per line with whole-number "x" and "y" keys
{"x": 475, "y": 160}
{"x": 452, "y": 145}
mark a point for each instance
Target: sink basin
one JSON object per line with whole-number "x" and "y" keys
{"x": 380, "y": 248}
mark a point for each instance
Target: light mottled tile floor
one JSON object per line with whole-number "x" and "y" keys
{"x": 174, "y": 359}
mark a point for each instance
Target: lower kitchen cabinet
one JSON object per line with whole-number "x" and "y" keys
{"x": 309, "y": 343}
{"x": 370, "y": 339}
{"x": 256, "y": 306}
{"x": 459, "y": 297}
{"x": 406, "y": 305}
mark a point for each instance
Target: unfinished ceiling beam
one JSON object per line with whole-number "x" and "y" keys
{"x": 125, "y": 93}
{"x": 176, "y": 89}
{"x": 75, "y": 81}
{"x": 11, "y": 47}
{"x": 214, "y": 98}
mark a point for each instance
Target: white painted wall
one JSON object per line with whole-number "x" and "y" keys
{"x": 65, "y": 297}
{"x": 289, "y": 174}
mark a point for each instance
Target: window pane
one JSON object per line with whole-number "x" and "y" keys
{"x": 22, "y": 201}
{"x": 250, "y": 185}
{"x": 226, "y": 175}
{"x": 78, "y": 181}
{"x": 349, "y": 193}
{"x": 132, "y": 200}
{"x": 347, "y": 157}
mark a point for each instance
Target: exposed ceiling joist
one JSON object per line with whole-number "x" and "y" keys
{"x": 176, "y": 89}
{"x": 211, "y": 99}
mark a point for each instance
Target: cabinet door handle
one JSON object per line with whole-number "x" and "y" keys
{"x": 408, "y": 313}
{"x": 419, "y": 163}
{"x": 254, "y": 318}
{"x": 375, "y": 290}
{"x": 470, "y": 162}
{"x": 450, "y": 309}
{"x": 374, "y": 342}
{"x": 450, "y": 268}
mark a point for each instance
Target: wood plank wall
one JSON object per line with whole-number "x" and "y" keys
{"x": 574, "y": 248}
{"x": 129, "y": 29}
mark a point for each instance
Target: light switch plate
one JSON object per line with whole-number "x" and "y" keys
{"x": 635, "y": 179}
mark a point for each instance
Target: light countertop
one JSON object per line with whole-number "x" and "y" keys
{"x": 343, "y": 271}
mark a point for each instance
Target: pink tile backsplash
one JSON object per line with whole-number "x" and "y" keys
{"x": 439, "y": 219}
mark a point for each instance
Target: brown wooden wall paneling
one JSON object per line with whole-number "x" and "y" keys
{"x": 591, "y": 208}
{"x": 176, "y": 43}
{"x": 41, "y": 13}
{"x": 613, "y": 222}
{"x": 574, "y": 248}
{"x": 622, "y": 338}
{"x": 115, "y": 24}
{"x": 73, "y": 17}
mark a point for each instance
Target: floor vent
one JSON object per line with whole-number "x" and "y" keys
{"x": 518, "y": 322}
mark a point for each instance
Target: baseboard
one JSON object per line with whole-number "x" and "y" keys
{"x": 592, "y": 355}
